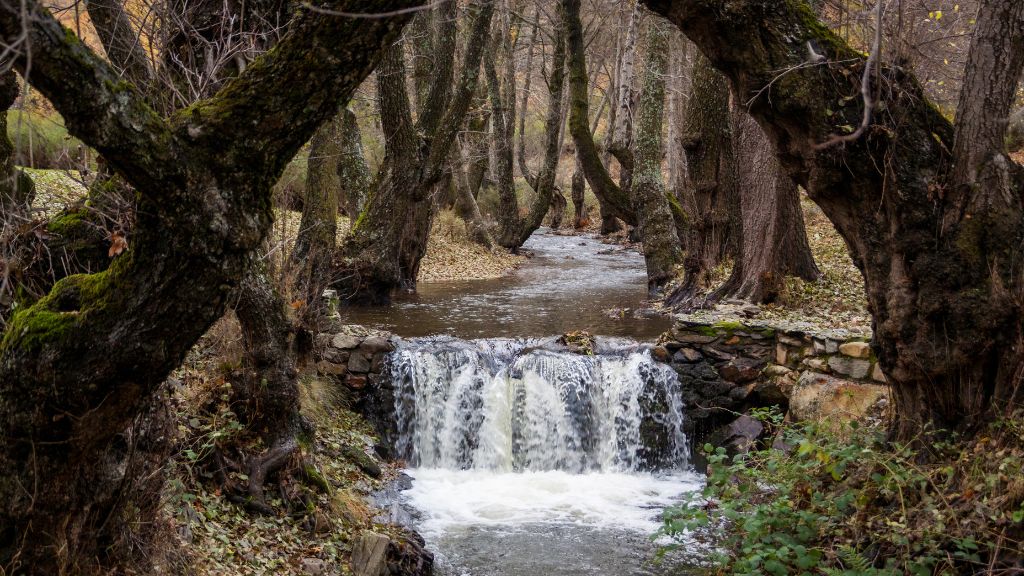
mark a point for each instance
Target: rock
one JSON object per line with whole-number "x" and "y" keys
{"x": 740, "y": 393}
{"x": 740, "y": 371}
{"x": 345, "y": 341}
{"x": 781, "y": 354}
{"x": 330, "y": 368}
{"x": 739, "y": 436}
{"x": 718, "y": 354}
{"x": 876, "y": 373}
{"x": 690, "y": 338}
{"x": 358, "y": 362}
{"x": 362, "y": 460}
{"x": 772, "y": 392}
{"x": 819, "y": 345}
{"x": 855, "y": 349}
{"x": 369, "y": 554}
{"x": 323, "y": 340}
{"x": 831, "y": 346}
{"x": 313, "y": 566}
{"x": 356, "y": 381}
{"x": 378, "y": 362}
{"x": 821, "y": 398}
{"x": 816, "y": 364}
{"x": 776, "y": 370}
{"x": 849, "y": 367}
{"x": 375, "y": 344}
{"x": 789, "y": 340}
{"x": 660, "y": 353}
{"x": 687, "y": 355}
{"x": 332, "y": 354}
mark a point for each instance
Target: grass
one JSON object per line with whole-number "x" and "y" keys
{"x": 41, "y": 141}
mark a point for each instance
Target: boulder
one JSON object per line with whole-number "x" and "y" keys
{"x": 375, "y": 344}
{"x": 741, "y": 370}
{"x": 363, "y": 460}
{"x": 660, "y": 353}
{"x": 335, "y": 355}
{"x": 326, "y": 368}
{"x": 358, "y": 362}
{"x": 820, "y": 398}
{"x": 738, "y": 436}
{"x": 345, "y": 341}
{"x": 369, "y": 554}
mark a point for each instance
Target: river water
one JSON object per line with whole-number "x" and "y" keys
{"x": 526, "y": 458}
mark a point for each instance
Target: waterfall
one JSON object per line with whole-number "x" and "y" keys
{"x": 530, "y": 405}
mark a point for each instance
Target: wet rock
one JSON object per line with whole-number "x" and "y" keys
{"x": 345, "y": 341}
{"x": 378, "y": 363}
{"x": 359, "y": 363}
{"x": 356, "y": 381}
{"x": 741, "y": 370}
{"x": 660, "y": 353}
{"x": 738, "y": 436}
{"x": 687, "y": 355}
{"x": 718, "y": 354}
{"x": 376, "y": 344}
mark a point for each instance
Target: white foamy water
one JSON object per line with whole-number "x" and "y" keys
{"x": 451, "y": 501}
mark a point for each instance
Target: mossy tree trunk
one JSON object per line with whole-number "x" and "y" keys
{"x": 514, "y": 230}
{"x": 613, "y": 198}
{"x": 353, "y": 172}
{"x": 383, "y": 252}
{"x": 931, "y": 213}
{"x": 662, "y": 249}
{"x": 81, "y": 364}
{"x": 711, "y": 202}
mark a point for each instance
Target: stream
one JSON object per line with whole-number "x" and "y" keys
{"x": 525, "y": 458}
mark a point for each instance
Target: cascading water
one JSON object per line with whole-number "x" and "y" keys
{"x": 527, "y": 458}
{"x": 523, "y": 405}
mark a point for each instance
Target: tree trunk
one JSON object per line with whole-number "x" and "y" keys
{"x": 466, "y": 206}
{"x": 935, "y": 250}
{"x": 318, "y": 229}
{"x": 83, "y": 364}
{"x": 711, "y": 201}
{"x": 612, "y": 196}
{"x": 772, "y": 235}
{"x": 515, "y": 230}
{"x": 656, "y": 228}
{"x": 620, "y": 143}
{"x": 353, "y": 172}
{"x": 579, "y": 191}
{"x": 382, "y": 253}
{"x": 676, "y": 166}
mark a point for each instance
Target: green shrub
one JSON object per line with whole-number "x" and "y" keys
{"x": 854, "y": 504}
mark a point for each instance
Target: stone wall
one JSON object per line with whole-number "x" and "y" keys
{"x": 728, "y": 364}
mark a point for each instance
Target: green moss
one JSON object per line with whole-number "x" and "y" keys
{"x": 729, "y": 326}
{"x": 33, "y": 327}
{"x": 69, "y": 223}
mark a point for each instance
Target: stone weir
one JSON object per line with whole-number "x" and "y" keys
{"x": 729, "y": 364}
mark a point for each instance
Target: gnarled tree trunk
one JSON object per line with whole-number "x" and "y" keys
{"x": 935, "y": 228}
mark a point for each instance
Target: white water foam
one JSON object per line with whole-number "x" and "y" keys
{"x": 451, "y": 500}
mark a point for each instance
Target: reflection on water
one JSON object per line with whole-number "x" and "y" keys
{"x": 569, "y": 284}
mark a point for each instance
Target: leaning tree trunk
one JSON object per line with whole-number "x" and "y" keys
{"x": 933, "y": 228}
{"x": 612, "y": 197}
{"x": 662, "y": 250}
{"x": 711, "y": 202}
{"x": 578, "y": 195}
{"x": 772, "y": 235}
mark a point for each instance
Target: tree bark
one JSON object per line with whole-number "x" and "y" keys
{"x": 612, "y": 196}
{"x": 81, "y": 364}
{"x": 711, "y": 201}
{"x": 656, "y": 228}
{"x": 938, "y": 270}
{"x": 353, "y": 172}
{"x": 620, "y": 144}
{"x": 773, "y": 240}
{"x": 578, "y": 194}
{"x": 676, "y": 164}
{"x": 382, "y": 253}
{"x": 515, "y": 230}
